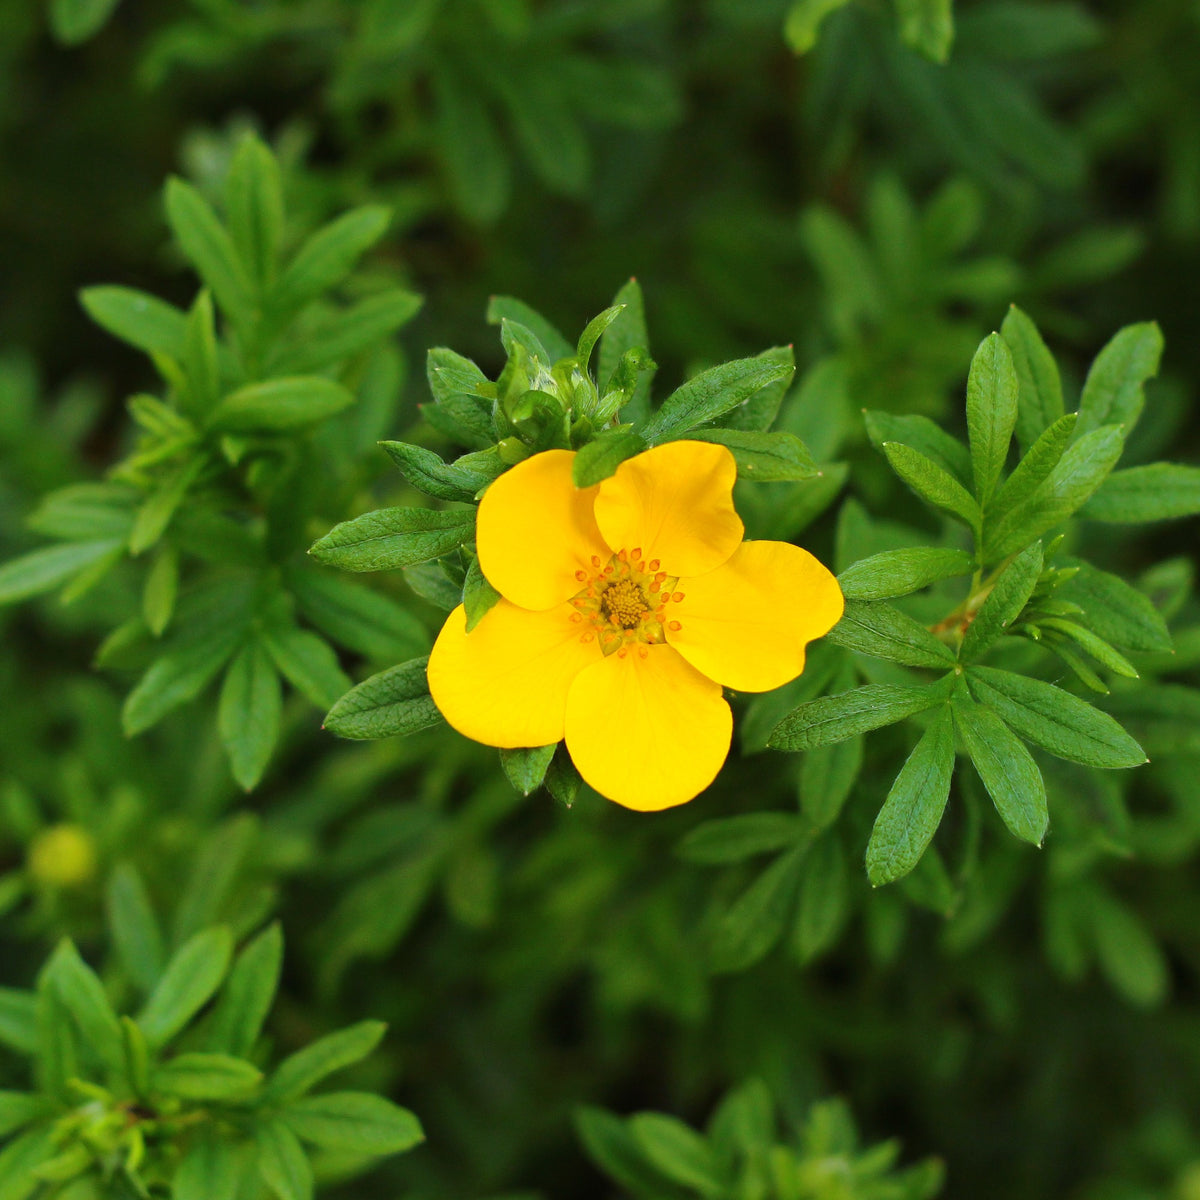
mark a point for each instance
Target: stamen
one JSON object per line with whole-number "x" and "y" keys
{"x": 622, "y": 555}
{"x": 636, "y": 553}
{"x": 661, "y": 576}
{"x": 587, "y": 637}
{"x": 581, "y": 575}
{"x": 655, "y": 586}
{"x": 654, "y": 564}
{"x": 576, "y": 617}
{"x": 674, "y": 626}
{"x": 623, "y": 652}
{"x": 677, "y": 596}
{"x": 643, "y": 652}
{"x": 595, "y": 560}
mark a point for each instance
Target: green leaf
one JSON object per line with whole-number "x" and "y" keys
{"x": 678, "y": 1151}
{"x": 734, "y": 839}
{"x": 913, "y": 809}
{"x": 138, "y": 318}
{"x": 450, "y": 374}
{"x": 827, "y": 777}
{"x": 627, "y": 332}
{"x": 1040, "y": 400}
{"x": 479, "y": 597}
{"x": 592, "y": 332}
{"x": 18, "y": 1022}
{"x": 1113, "y": 392}
{"x": 161, "y": 590}
{"x": 927, "y": 26}
{"x": 884, "y": 632}
{"x": 1080, "y": 471}
{"x": 249, "y": 713}
{"x": 1055, "y": 720}
{"x": 549, "y": 344}
{"x": 1096, "y": 646}
{"x": 803, "y": 22}
{"x": 1157, "y": 492}
{"x": 327, "y": 258}
{"x": 190, "y": 980}
{"x": 17, "y": 1109}
{"x": 21, "y": 1157}
{"x": 713, "y": 393}
{"x": 248, "y": 994}
{"x": 562, "y": 779}
{"x": 991, "y": 412}
{"x": 1005, "y": 602}
{"x": 463, "y": 419}
{"x": 306, "y": 660}
{"x": 764, "y": 457}
{"x": 177, "y": 675}
{"x": 207, "y": 1077}
{"x": 137, "y": 1057}
{"x": 832, "y": 719}
{"x": 901, "y": 572}
{"x": 200, "y": 356}
{"x": 395, "y": 701}
{"x": 358, "y": 617}
{"x": 921, "y": 434}
{"x": 1116, "y": 611}
{"x": 75, "y": 21}
{"x": 931, "y": 483}
{"x": 526, "y": 767}
{"x": 216, "y": 864}
{"x": 254, "y": 203}
{"x": 43, "y": 570}
{"x": 278, "y": 405}
{"x": 209, "y": 1171}
{"x": 597, "y": 460}
{"x": 282, "y": 1162}
{"x": 1043, "y": 456}
{"x": 356, "y": 1122}
{"x": 755, "y": 921}
{"x": 447, "y": 481}
{"x": 134, "y": 926}
{"x": 394, "y": 537}
{"x": 300, "y": 1072}
{"x": 209, "y": 248}
{"x": 473, "y": 151}
{"x": 610, "y": 1144}
{"x": 1007, "y": 769}
{"x": 1128, "y": 954}
{"x": 347, "y": 333}
{"x": 823, "y": 900}
{"x": 160, "y": 506}
{"x": 83, "y": 996}
{"x": 85, "y": 511}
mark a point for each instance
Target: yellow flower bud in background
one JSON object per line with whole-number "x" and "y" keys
{"x": 63, "y": 856}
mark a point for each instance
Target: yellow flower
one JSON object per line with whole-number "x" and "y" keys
{"x": 625, "y": 608}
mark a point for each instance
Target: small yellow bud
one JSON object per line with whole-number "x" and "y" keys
{"x": 63, "y": 856}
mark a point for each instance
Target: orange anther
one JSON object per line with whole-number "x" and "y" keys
{"x": 654, "y": 564}
{"x": 677, "y": 596}
{"x": 577, "y": 617}
{"x": 636, "y": 552}
{"x": 624, "y": 650}
{"x": 674, "y": 626}
{"x": 587, "y": 637}
{"x": 660, "y": 576}
{"x": 643, "y": 652}
{"x": 581, "y": 575}
{"x": 595, "y": 560}
{"x": 622, "y": 555}
{"x": 609, "y": 569}
{"x": 655, "y": 586}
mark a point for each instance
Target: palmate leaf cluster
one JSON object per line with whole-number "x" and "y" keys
{"x": 213, "y": 505}
{"x": 177, "y": 1097}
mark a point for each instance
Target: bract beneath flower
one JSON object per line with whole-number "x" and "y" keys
{"x": 626, "y": 607}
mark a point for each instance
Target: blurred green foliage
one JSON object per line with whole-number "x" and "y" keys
{"x": 571, "y": 990}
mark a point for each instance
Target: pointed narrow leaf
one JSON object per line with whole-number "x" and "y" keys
{"x": 601, "y": 457}
{"x": 1157, "y": 492}
{"x": 991, "y": 412}
{"x": 1005, "y": 602}
{"x": 1007, "y": 769}
{"x": 300, "y": 1072}
{"x": 394, "y": 537}
{"x": 43, "y": 570}
{"x": 188, "y": 983}
{"x": 1041, "y": 459}
{"x": 249, "y": 713}
{"x": 138, "y": 318}
{"x": 356, "y": 1122}
{"x": 508, "y": 308}
{"x": 526, "y": 768}
{"x": 209, "y": 1171}
{"x": 900, "y": 572}
{"x": 207, "y": 1077}
{"x": 712, "y": 393}
{"x": 83, "y": 995}
{"x": 913, "y": 809}
{"x": 765, "y": 457}
{"x": 395, "y": 701}
{"x": 1116, "y": 611}
{"x": 1061, "y": 723}
{"x": 134, "y": 926}
{"x": 254, "y": 201}
{"x": 755, "y": 921}
{"x": 248, "y": 994}
{"x": 278, "y": 405}
{"x": 678, "y": 1151}
{"x": 1113, "y": 392}
{"x": 627, "y": 332}
{"x": 447, "y": 481}
{"x": 734, "y": 839}
{"x": 358, "y": 617}
{"x": 306, "y": 660}
{"x": 931, "y": 483}
{"x": 282, "y": 1162}
{"x": 1040, "y": 400}
{"x": 832, "y": 719}
{"x": 885, "y": 632}
{"x": 479, "y": 597}
{"x": 921, "y": 434}
{"x": 593, "y": 331}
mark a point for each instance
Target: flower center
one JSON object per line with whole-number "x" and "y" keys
{"x": 624, "y": 603}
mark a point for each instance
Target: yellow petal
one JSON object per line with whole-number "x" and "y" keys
{"x": 536, "y": 529}
{"x": 675, "y": 502}
{"x": 746, "y": 623}
{"x": 505, "y": 683}
{"x": 647, "y": 730}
